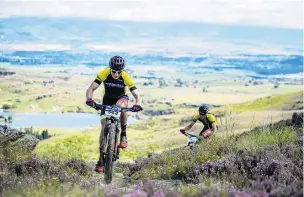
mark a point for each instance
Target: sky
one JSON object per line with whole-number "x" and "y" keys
{"x": 269, "y": 13}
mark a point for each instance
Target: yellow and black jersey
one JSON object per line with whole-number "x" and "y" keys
{"x": 210, "y": 118}
{"x": 114, "y": 88}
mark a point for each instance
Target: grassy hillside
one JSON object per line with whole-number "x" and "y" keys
{"x": 268, "y": 103}
{"x": 267, "y": 161}
{"x": 161, "y": 132}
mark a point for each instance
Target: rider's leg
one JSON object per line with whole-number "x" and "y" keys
{"x": 206, "y": 132}
{"x": 123, "y": 102}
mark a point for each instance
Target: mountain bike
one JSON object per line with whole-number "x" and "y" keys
{"x": 192, "y": 139}
{"x": 110, "y": 152}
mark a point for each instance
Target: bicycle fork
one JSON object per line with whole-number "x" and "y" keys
{"x": 103, "y": 153}
{"x": 116, "y": 148}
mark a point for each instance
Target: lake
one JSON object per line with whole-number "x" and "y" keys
{"x": 62, "y": 120}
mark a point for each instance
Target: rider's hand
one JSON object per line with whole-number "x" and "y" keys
{"x": 90, "y": 102}
{"x": 182, "y": 131}
{"x": 137, "y": 108}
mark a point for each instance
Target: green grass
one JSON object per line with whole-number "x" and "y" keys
{"x": 267, "y": 136}
{"x": 143, "y": 137}
{"x": 66, "y": 148}
{"x": 261, "y": 104}
{"x": 54, "y": 188}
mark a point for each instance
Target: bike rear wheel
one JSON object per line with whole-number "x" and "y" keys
{"x": 110, "y": 151}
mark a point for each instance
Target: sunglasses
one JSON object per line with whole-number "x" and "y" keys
{"x": 202, "y": 114}
{"x": 116, "y": 71}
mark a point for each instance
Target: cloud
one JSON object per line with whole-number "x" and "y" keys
{"x": 279, "y": 13}
{"x": 33, "y": 47}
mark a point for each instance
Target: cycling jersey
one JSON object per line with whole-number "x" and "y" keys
{"x": 210, "y": 118}
{"x": 114, "y": 88}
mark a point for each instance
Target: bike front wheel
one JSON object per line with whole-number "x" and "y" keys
{"x": 110, "y": 152}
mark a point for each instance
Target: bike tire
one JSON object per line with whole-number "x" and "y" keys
{"x": 109, "y": 157}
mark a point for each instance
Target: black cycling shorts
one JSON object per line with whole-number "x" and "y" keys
{"x": 113, "y": 101}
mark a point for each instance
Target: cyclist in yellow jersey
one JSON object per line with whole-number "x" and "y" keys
{"x": 116, "y": 81}
{"x": 209, "y": 121}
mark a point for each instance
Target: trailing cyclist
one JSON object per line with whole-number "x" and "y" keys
{"x": 209, "y": 121}
{"x": 115, "y": 80}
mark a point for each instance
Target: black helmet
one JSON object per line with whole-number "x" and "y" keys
{"x": 117, "y": 63}
{"x": 203, "y": 109}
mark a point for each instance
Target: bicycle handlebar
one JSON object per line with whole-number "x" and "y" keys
{"x": 114, "y": 108}
{"x": 189, "y": 134}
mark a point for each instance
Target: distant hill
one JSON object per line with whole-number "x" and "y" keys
{"x": 75, "y": 41}
{"x": 77, "y": 30}
{"x": 268, "y": 65}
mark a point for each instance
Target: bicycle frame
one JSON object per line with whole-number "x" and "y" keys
{"x": 192, "y": 139}
{"x": 110, "y": 150}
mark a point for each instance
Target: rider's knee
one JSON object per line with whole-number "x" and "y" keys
{"x": 122, "y": 102}
{"x": 207, "y": 133}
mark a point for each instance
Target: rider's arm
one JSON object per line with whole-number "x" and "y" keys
{"x": 137, "y": 97}
{"x": 134, "y": 91}
{"x": 194, "y": 119}
{"x": 189, "y": 126}
{"x": 214, "y": 128}
{"x": 101, "y": 76}
{"x": 213, "y": 121}
{"x": 91, "y": 89}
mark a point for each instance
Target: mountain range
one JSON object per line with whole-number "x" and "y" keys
{"x": 78, "y": 41}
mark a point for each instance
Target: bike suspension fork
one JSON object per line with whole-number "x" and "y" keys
{"x": 103, "y": 142}
{"x": 116, "y": 149}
